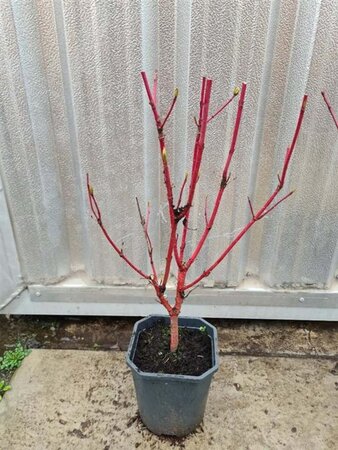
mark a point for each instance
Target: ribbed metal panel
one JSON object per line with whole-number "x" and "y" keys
{"x": 10, "y": 277}
{"x": 72, "y": 101}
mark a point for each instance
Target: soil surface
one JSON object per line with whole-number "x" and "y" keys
{"x": 235, "y": 337}
{"x": 193, "y": 356}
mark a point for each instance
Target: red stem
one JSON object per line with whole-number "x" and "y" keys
{"x": 264, "y": 209}
{"x": 97, "y": 214}
{"x": 230, "y": 247}
{"x": 198, "y": 134}
{"x": 274, "y": 206}
{"x": 251, "y": 208}
{"x": 206, "y": 210}
{"x": 293, "y": 143}
{"x": 222, "y": 107}
{"x": 171, "y": 108}
{"x": 167, "y": 182}
{"x": 147, "y": 216}
{"x": 144, "y": 224}
{"x": 174, "y": 332}
{"x": 196, "y": 146}
{"x": 198, "y": 153}
{"x": 155, "y": 87}
{"x": 224, "y": 180}
{"x": 328, "y": 104}
{"x": 182, "y": 190}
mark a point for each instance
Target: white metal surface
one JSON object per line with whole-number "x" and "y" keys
{"x": 10, "y": 277}
{"x": 222, "y": 303}
{"x": 71, "y": 101}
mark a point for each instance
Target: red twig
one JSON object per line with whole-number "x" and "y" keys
{"x": 170, "y": 108}
{"x": 264, "y": 209}
{"x": 225, "y": 177}
{"x": 144, "y": 224}
{"x": 151, "y": 101}
{"x": 206, "y": 211}
{"x": 251, "y": 208}
{"x": 328, "y": 104}
{"x": 290, "y": 150}
{"x": 236, "y": 92}
{"x": 147, "y": 216}
{"x": 276, "y": 204}
{"x": 182, "y": 190}
{"x": 155, "y": 87}
{"x": 97, "y": 213}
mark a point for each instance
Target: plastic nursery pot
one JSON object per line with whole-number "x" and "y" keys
{"x": 171, "y": 404}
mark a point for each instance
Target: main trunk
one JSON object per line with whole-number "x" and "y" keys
{"x": 173, "y": 333}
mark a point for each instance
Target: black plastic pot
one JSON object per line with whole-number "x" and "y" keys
{"x": 171, "y": 404}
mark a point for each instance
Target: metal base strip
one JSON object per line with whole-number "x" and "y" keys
{"x": 135, "y": 301}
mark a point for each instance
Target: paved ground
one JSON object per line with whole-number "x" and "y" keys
{"x": 76, "y": 399}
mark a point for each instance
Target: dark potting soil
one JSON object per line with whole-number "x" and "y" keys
{"x": 193, "y": 356}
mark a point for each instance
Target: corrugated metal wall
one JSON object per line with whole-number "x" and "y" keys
{"x": 10, "y": 276}
{"x": 72, "y": 102}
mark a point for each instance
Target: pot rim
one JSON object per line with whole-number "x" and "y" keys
{"x": 174, "y": 377}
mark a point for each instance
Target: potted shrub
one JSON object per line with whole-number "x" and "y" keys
{"x": 173, "y": 359}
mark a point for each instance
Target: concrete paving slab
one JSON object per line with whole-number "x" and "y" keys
{"x": 72, "y": 399}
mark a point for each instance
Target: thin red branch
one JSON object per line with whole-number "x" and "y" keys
{"x": 206, "y": 210}
{"x": 97, "y": 214}
{"x": 251, "y": 208}
{"x": 147, "y": 216}
{"x": 151, "y": 100}
{"x": 196, "y": 148}
{"x": 167, "y": 182}
{"x": 198, "y": 153}
{"x": 93, "y": 205}
{"x": 198, "y": 133}
{"x": 263, "y": 210}
{"x": 144, "y": 225}
{"x": 236, "y": 92}
{"x": 235, "y": 134}
{"x": 207, "y": 272}
{"x": 166, "y": 172}
{"x": 203, "y": 130}
{"x": 162, "y": 298}
{"x": 182, "y": 190}
{"x": 170, "y": 108}
{"x": 171, "y": 250}
{"x": 331, "y": 111}
{"x": 176, "y": 254}
{"x": 224, "y": 180}
{"x": 155, "y": 87}
{"x": 290, "y": 150}
{"x": 274, "y": 206}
